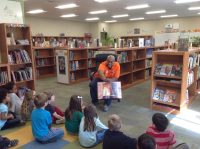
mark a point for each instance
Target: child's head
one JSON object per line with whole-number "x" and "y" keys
{"x": 114, "y": 122}
{"x": 11, "y": 87}
{"x": 4, "y": 95}
{"x": 50, "y": 96}
{"x": 89, "y": 114}
{"x": 75, "y": 104}
{"x": 145, "y": 141}
{"x": 160, "y": 121}
{"x": 29, "y": 95}
{"x": 40, "y": 100}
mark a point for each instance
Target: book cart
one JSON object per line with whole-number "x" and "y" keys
{"x": 174, "y": 80}
{"x": 16, "y": 56}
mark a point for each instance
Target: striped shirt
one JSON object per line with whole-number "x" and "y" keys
{"x": 163, "y": 139}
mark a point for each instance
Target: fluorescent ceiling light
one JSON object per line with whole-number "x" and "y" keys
{"x": 120, "y": 16}
{"x": 98, "y": 12}
{"x": 155, "y": 12}
{"x": 111, "y": 21}
{"x": 199, "y": 13}
{"x": 105, "y": 1}
{"x": 134, "y": 19}
{"x": 91, "y": 19}
{"x": 194, "y": 8}
{"x": 185, "y": 1}
{"x": 169, "y": 16}
{"x": 36, "y": 11}
{"x": 137, "y": 6}
{"x": 67, "y": 6}
{"x": 68, "y": 16}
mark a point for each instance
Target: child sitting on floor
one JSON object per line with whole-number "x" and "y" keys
{"x": 91, "y": 130}
{"x": 73, "y": 114}
{"x": 114, "y": 138}
{"x": 165, "y": 139}
{"x": 146, "y": 141}
{"x": 56, "y": 113}
{"x": 27, "y": 105}
{"x": 7, "y": 120}
{"x": 42, "y": 121}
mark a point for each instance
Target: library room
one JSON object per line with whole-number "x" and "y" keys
{"x": 100, "y": 74}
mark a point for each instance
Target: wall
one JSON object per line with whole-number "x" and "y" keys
{"x": 149, "y": 27}
{"x": 55, "y": 27}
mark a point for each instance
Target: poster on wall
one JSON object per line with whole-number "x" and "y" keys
{"x": 11, "y": 12}
{"x": 61, "y": 63}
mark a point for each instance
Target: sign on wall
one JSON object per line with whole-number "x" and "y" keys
{"x": 11, "y": 12}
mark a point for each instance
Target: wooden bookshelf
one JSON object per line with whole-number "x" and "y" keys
{"x": 45, "y": 64}
{"x": 184, "y": 92}
{"x": 16, "y": 56}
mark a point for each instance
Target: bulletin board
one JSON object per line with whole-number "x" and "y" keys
{"x": 11, "y": 12}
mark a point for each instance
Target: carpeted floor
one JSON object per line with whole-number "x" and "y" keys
{"x": 133, "y": 110}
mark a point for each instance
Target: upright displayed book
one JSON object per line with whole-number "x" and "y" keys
{"x": 109, "y": 90}
{"x": 16, "y": 55}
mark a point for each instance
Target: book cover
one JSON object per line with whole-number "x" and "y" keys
{"x": 107, "y": 90}
{"x": 156, "y": 94}
{"x": 158, "y": 69}
{"x": 170, "y": 96}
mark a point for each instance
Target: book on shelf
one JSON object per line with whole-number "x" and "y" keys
{"x": 167, "y": 95}
{"x": 72, "y": 77}
{"x": 147, "y": 74}
{"x": 168, "y": 70}
{"x": 18, "y": 56}
{"x": 134, "y": 55}
{"x": 183, "y": 44}
{"x": 149, "y": 52}
{"x": 43, "y": 62}
{"x": 122, "y": 57}
{"x": 141, "y": 42}
{"x": 108, "y": 90}
{"x": 3, "y": 77}
{"x": 22, "y": 74}
{"x": 71, "y": 55}
{"x": 190, "y": 77}
{"x": 148, "y": 63}
{"x": 74, "y": 65}
{"x": 193, "y": 60}
{"x": 91, "y": 53}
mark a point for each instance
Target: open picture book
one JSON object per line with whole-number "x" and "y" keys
{"x": 107, "y": 90}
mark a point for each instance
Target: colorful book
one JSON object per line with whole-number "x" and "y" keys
{"x": 170, "y": 96}
{"x": 109, "y": 90}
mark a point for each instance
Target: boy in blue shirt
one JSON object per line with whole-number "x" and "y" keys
{"x": 41, "y": 122}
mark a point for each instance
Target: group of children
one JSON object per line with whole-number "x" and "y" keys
{"x": 79, "y": 120}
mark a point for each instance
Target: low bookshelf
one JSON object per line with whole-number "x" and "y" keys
{"x": 174, "y": 80}
{"x": 45, "y": 65}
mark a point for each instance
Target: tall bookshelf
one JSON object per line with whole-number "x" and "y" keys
{"x": 172, "y": 88}
{"x": 16, "y": 54}
{"x": 45, "y": 64}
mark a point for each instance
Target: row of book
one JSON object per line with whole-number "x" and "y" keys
{"x": 190, "y": 78}
{"x": 22, "y": 74}
{"x": 148, "y": 63}
{"x": 74, "y": 65}
{"x": 167, "y": 95}
{"x": 4, "y": 77}
{"x": 122, "y": 57}
{"x": 194, "y": 60}
{"x": 168, "y": 70}
{"x": 18, "y": 56}
{"x": 138, "y": 55}
{"x": 91, "y": 53}
{"x": 91, "y": 64}
{"x": 43, "y": 62}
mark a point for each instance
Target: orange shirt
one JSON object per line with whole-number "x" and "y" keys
{"x": 114, "y": 72}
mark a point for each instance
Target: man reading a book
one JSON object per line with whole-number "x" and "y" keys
{"x": 108, "y": 71}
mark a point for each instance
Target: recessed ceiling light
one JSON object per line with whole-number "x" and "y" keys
{"x": 194, "y": 8}
{"x": 120, "y": 16}
{"x": 137, "y": 6}
{"x": 67, "y": 6}
{"x": 91, "y": 19}
{"x": 36, "y": 11}
{"x": 169, "y": 16}
{"x": 185, "y": 1}
{"x": 98, "y": 12}
{"x": 68, "y": 16}
{"x": 105, "y": 1}
{"x": 135, "y": 19}
{"x": 155, "y": 12}
{"x": 110, "y": 21}
{"x": 199, "y": 13}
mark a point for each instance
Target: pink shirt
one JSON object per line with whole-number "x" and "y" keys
{"x": 163, "y": 139}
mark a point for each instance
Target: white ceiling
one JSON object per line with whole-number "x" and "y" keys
{"x": 113, "y": 8}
